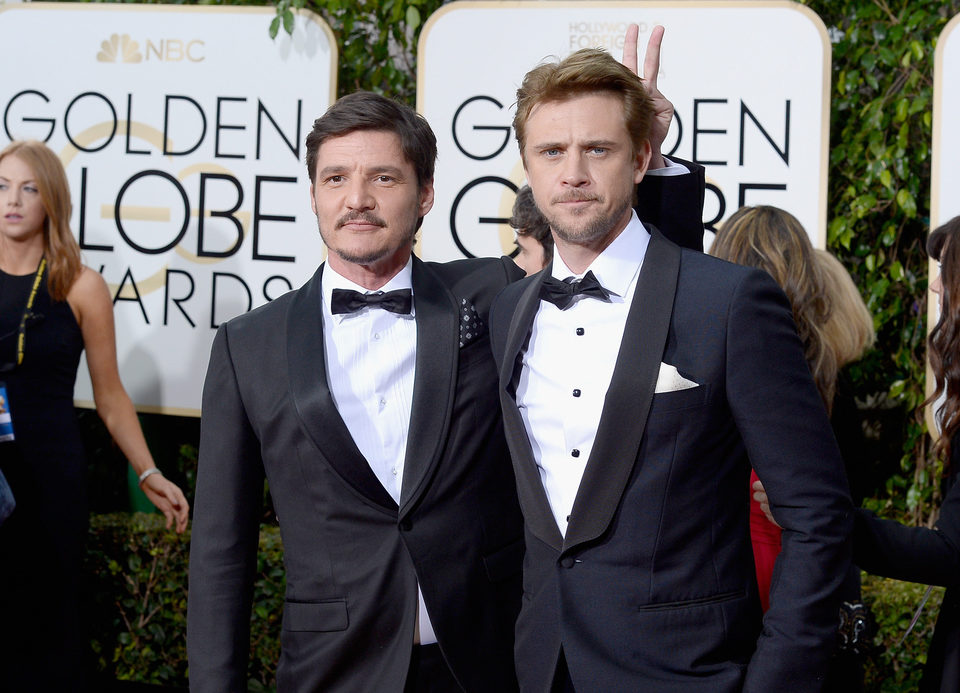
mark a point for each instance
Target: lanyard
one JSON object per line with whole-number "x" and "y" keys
{"x": 22, "y": 332}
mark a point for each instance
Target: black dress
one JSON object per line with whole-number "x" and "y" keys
{"x": 41, "y": 544}
{"x": 929, "y": 556}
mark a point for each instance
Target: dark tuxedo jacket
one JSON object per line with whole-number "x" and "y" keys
{"x": 653, "y": 587}
{"x": 352, "y": 556}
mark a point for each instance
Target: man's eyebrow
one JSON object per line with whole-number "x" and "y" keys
{"x": 548, "y": 145}
{"x": 330, "y": 171}
{"x": 607, "y": 144}
{"x": 386, "y": 168}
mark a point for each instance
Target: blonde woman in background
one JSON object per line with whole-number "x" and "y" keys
{"x": 52, "y": 308}
{"x": 835, "y": 327}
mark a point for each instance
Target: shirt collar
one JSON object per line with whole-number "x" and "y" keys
{"x": 331, "y": 279}
{"x": 619, "y": 262}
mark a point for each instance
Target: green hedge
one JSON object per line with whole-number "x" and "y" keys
{"x": 139, "y": 573}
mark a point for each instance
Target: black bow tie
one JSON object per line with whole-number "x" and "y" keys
{"x": 561, "y": 293}
{"x": 347, "y": 301}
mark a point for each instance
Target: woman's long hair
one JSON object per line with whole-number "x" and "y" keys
{"x": 773, "y": 240}
{"x": 849, "y": 329}
{"x": 59, "y": 246}
{"x": 943, "y": 345}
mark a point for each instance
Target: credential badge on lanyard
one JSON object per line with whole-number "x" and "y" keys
{"x": 6, "y": 423}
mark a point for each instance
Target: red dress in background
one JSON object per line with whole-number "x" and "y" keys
{"x": 765, "y": 537}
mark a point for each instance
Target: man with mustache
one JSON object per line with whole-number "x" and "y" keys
{"x": 639, "y": 382}
{"x": 368, "y": 401}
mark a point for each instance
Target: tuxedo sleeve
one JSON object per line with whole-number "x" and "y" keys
{"x": 674, "y": 204}
{"x": 788, "y": 439}
{"x": 915, "y": 554}
{"x": 223, "y": 548}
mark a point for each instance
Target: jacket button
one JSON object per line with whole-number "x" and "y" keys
{"x": 567, "y": 561}
{"x": 406, "y": 525}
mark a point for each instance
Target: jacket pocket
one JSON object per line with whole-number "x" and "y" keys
{"x": 328, "y": 615}
{"x": 699, "y": 601}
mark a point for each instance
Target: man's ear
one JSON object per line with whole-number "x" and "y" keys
{"x": 313, "y": 200}
{"x": 642, "y": 161}
{"x": 426, "y": 198}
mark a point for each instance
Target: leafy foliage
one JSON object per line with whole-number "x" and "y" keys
{"x": 879, "y": 209}
{"x": 139, "y": 611}
{"x": 898, "y": 667}
{"x": 376, "y": 39}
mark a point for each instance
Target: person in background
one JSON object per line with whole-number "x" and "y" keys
{"x": 773, "y": 240}
{"x": 850, "y": 334}
{"x": 52, "y": 308}
{"x": 835, "y": 328}
{"x": 849, "y": 329}
{"x": 922, "y": 554}
{"x": 534, "y": 242}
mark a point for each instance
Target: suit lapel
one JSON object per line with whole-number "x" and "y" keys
{"x": 533, "y": 499}
{"x": 631, "y": 390}
{"x": 311, "y": 395}
{"x": 435, "y": 379}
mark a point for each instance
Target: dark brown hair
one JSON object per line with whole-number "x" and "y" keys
{"x": 364, "y": 110}
{"x": 528, "y": 221}
{"x": 943, "y": 345}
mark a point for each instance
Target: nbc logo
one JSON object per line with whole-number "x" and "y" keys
{"x": 119, "y": 48}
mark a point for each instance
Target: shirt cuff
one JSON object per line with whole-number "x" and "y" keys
{"x": 671, "y": 169}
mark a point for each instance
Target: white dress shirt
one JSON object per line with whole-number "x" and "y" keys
{"x": 371, "y": 357}
{"x": 568, "y": 366}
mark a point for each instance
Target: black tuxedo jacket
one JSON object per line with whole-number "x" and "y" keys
{"x": 352, "y": 556}
{"x": 653, "y": 587}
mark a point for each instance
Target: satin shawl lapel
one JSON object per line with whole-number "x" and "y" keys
{"x": 435, "y": 379}
{"x": 533, "y": 498}
{"x": 630, "y": 395}
{"x": 314, "y": 403}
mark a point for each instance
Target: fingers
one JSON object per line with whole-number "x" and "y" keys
{"x": 169, "y": 499}
{"x": 630, "y": 59}
{"x": 651, "y": 61}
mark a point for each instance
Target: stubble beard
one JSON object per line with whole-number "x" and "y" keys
{"x": 591, "y": 230}
{"x": 372, "y": 255}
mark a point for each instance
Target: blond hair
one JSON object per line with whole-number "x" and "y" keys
{"x": 774, "y": 240}
{"x": 849, "y": 329}
{"x": 588, "y": 71}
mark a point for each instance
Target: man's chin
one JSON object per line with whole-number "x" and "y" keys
{"x": 361, "y": 256}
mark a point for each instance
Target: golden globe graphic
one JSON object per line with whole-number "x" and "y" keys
{"x": 184, "y": 154}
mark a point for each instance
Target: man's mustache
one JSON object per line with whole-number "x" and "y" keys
{"x": 577, "y": 197}
{"x": 364, "y": 217}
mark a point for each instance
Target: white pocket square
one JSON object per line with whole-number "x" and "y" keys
{"x": 670, "y": 380}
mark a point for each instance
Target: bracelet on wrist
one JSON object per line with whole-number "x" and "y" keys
{"x": 146, "y": 473}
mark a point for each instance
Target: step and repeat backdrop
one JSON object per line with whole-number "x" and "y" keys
{"x": 181, "y": 130}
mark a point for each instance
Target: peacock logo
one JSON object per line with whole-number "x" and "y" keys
{"x": 119, "y": 48}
